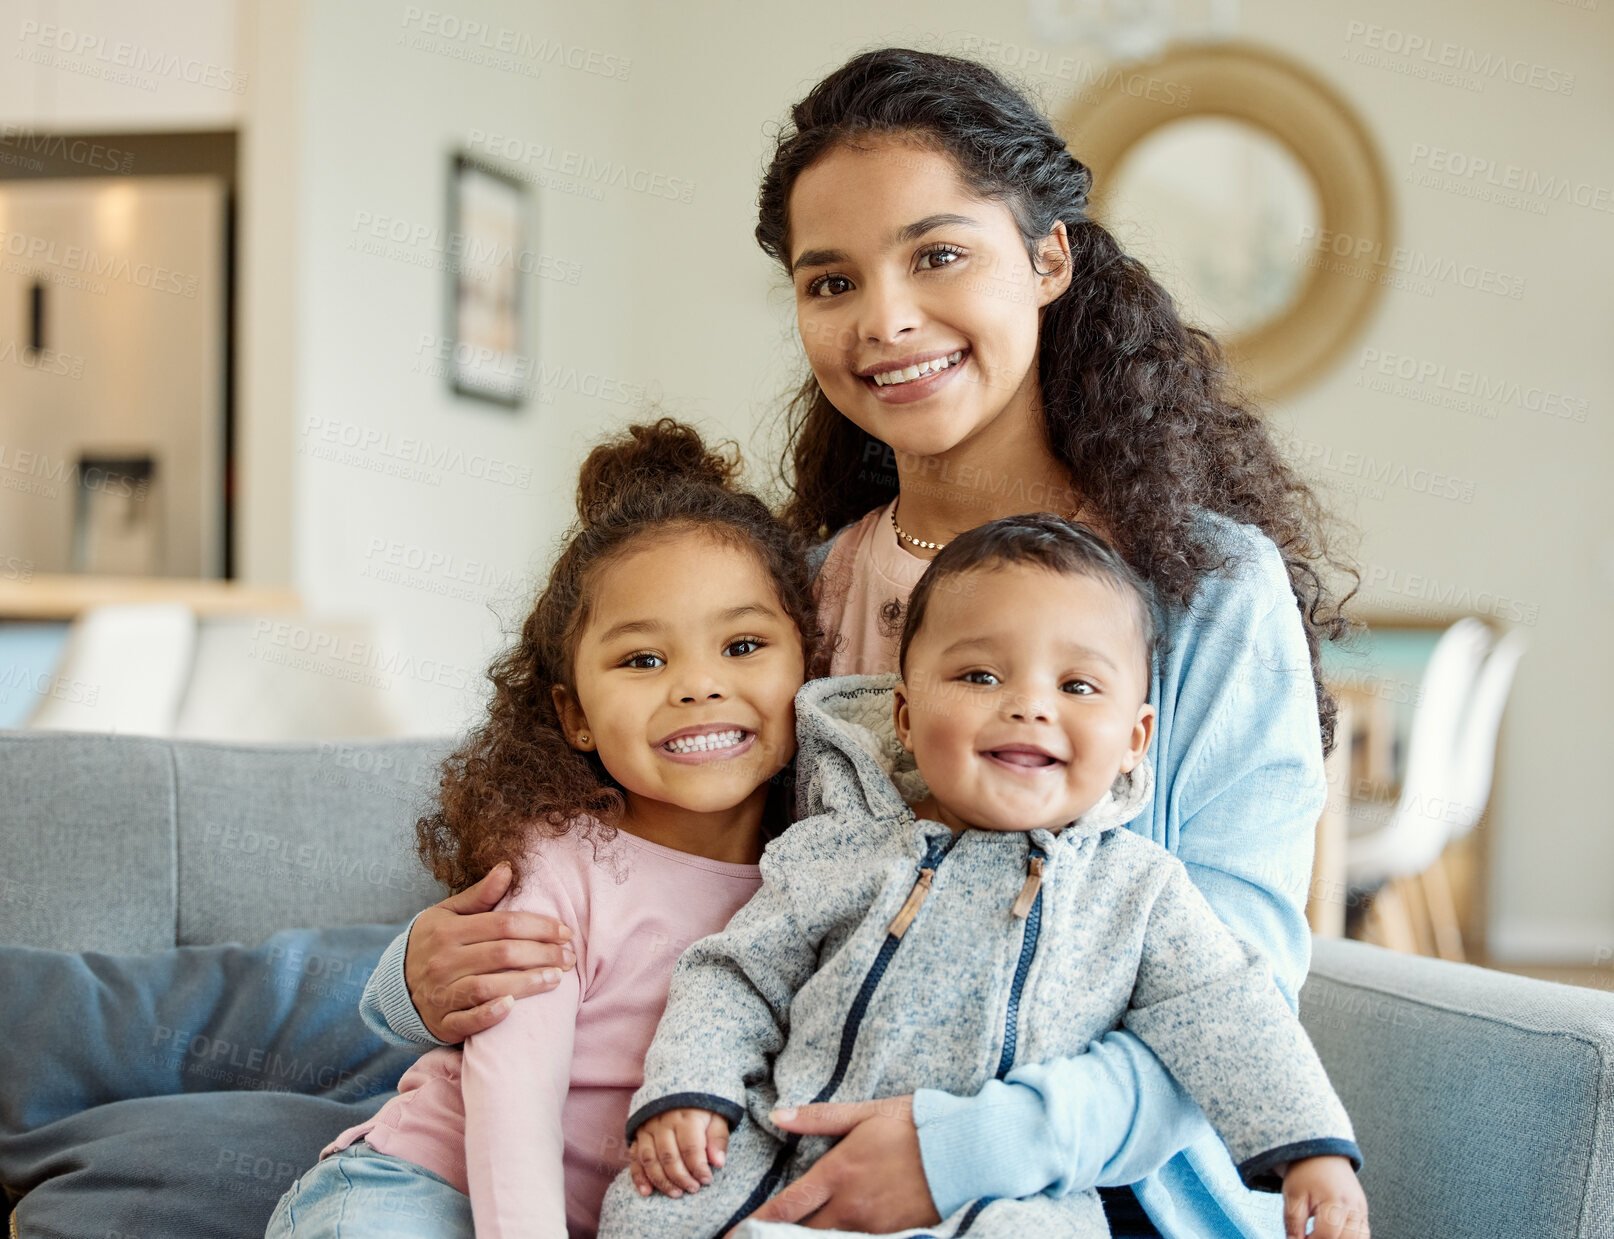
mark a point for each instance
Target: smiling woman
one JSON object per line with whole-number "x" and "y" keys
{"x": 941, "y": 309}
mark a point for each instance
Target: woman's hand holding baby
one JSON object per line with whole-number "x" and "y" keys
{"x": 466, "y": 964}
{"x": 1324, "y": 1188}
{"x": 675, "y": 1151}
{"x": 872, "y": 1180}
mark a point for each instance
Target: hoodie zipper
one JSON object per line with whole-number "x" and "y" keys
{"x": 1029, "y": 906}
{"x": 935, "y": 852}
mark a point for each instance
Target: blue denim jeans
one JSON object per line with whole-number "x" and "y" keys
{"x": 359, "y": 1193}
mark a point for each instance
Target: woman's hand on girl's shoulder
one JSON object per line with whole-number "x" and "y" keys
{"x": 466, "y": 964}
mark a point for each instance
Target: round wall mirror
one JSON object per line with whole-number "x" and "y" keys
{"x": 1232, "y": 174}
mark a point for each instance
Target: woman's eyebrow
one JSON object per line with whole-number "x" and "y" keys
{"x": 903, "y": 235}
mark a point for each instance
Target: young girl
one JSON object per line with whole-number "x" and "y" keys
{"x": 979, "y": 348}
{"x": 1006, "y": 917}
{"x": 624, "y": 773}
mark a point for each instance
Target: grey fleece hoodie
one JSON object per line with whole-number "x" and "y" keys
{"x": 883, "y": 954}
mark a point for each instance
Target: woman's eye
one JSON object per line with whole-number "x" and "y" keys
{"x": 942, "y": 256}
{"x": 644, "y": 662}
{"x": 742, "y": 647}
{"x": 979, "y": 677}
{"x": 1080, "y": 688}
{"x": 828, "y": 286}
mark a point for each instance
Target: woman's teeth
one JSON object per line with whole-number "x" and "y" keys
{"x": 909, "y": 373}
{"x": 705, "y": 742}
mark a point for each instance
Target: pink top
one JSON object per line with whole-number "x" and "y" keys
{"x": 866, "y": 569}
{"x": 536, "y": 1105}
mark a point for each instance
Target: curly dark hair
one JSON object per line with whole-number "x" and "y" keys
{"x": 516, "y": 774}
{"x": 1139, "y": 406}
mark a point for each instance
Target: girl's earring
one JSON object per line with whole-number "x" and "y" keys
{"x": 582, "y": 738}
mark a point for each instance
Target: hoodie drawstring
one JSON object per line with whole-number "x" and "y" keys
{"x": 910, "y": 906}
{"x": 1028, "y": 892}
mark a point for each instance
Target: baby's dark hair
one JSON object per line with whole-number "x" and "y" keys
{"x": 1042, "y": 540}
{"x": 1137, "y": 404}
{"x": 516, "y": 773}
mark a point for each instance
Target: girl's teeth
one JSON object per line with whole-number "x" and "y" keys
{"x": 909, "y": 373}
{"x": 704, "y": 743}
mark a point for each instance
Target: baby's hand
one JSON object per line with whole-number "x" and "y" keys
{"x": 1324, "y": 1188}
{"x": 674, "y": 1151}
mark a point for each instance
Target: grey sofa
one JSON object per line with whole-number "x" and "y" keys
{"x": 1484, "y": 1103}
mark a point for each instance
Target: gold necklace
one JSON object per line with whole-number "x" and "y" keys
{"x": 936, "y": 546}
{"x": 908, "y": 537}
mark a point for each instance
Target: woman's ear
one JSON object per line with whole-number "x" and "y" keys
{"x": 900, "y": 716}
{"x": 1053, "y": 264}
{"x": 1142, "y": 733}
{"x": 572, "y": 719}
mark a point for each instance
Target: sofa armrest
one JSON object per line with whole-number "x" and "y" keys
{"x": 1483, "y": 1102}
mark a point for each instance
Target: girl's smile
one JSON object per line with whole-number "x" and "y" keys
{"x": 707, "y": 742}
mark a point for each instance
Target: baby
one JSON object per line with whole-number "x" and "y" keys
{"x": 1004, "y": 919}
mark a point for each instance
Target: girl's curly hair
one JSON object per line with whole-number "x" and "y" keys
{"x": 516, "y": 774}
{"x": 1139, "y": 406}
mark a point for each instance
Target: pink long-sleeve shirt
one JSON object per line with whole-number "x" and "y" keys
{"x": 528, "y": 1119}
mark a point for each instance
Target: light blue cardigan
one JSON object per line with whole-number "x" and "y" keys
{"x": 1239, "y": 769}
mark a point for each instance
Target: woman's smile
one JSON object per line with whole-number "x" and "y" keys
{"x": 906, "y": 380}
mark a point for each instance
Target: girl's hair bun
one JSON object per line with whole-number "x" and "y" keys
{"x": 648, "y": 456}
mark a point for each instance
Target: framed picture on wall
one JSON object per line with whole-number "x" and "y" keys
{"x": 487, "y": 228}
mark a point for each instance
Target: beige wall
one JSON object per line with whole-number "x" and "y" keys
{"x": 391, "y": 498}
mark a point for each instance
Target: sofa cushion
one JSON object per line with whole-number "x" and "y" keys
{"x": 201, "y": 1165}
{"x": 92, "y": 1028}
{"x": 1483, "y": 1102}
{"x": 89, "y": 842}
{"x": 177, "y": 1071}
{"x": 271, "y": 836}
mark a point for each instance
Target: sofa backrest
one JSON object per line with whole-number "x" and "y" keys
{"x": 127, "y": 844}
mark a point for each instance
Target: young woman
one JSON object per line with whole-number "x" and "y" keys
{"x": 979, "y": 347}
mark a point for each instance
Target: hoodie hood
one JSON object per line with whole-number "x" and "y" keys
{"x": 849, "y": 761}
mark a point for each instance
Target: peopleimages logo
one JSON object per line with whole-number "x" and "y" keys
{"x": 1480, "y": 176}
{"x": 82, "y": 51}
{"x": 1446, "y": 597}
{"x": 1457, "y": 59}
{"x": 330, "y": 438}
{"x": 467, "y": 36}
{"x": 93, "y": 265}
{"x": 1465, "y": 388}
{"x": 546, "y": 164}
{"x": 54, "y": 146}
{"x": 1370, "y": 259}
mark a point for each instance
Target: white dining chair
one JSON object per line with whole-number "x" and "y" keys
{"x": 1481, "y": 723}
{"x": 1382, "y": 858}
